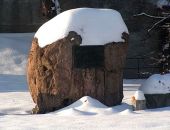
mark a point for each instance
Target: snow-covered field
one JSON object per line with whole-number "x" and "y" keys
{"x": 85, "y": 114}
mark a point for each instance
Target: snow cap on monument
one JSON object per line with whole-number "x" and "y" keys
{"x": 95, "y": 26}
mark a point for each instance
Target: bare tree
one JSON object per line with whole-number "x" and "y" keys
{"x": 163, "y": 24}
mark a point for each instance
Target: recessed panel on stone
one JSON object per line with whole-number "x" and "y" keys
{"x": 88, "y": 56}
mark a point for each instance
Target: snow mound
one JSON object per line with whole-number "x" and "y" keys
{"x": 90, "y": 106}
{"x": 162, "y": 3}
{"x": 139, "y": 95}
{"x": 84, "y": 106}
{"x": 12, "y": 62}
{"x": 75, "y": 112}
{"x": 156, "y": 84}
{"x": 13, "y": 52}
{"x": 88, "y": 101}
{"x": 96, "y": 26}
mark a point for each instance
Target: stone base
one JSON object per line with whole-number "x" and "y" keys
{"x": 157, "y": 100}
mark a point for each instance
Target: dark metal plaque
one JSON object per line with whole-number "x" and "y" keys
{"x": 88, "y": 56}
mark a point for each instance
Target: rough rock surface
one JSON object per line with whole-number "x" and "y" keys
{"x": 55, "y": 83}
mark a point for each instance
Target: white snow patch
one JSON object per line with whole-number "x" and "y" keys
{"x": 88, "y": 101}
{"x": 73, "y": 112}
{"x": 156, "y": 84}
{"x": 13, "y": 52}
{"x": 96, "y": 26}
{"x": 162, "y": 3}
{"x": 139, "y": 95}
{"x": 57, "y": 6}
{"x": 12, "y": 62}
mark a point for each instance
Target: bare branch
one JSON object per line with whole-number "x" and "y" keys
{"x": 157, "y": 23}
{"x": 155, "y": 59}
{"x": 147, "y": 15}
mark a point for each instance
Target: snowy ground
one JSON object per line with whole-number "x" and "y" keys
{"x": 86, "y": 113}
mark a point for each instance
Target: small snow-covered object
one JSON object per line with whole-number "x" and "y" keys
{"x": 156, "y": 84}
{"x": 138, "y": 101}
{"x": 95, "y": 26}
{"x": 157, "y": 91}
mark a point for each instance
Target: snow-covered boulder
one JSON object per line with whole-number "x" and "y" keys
{"x": 61, "y": 71}
{"x": 157, "y": 84}
{"x": 157, "y": 90}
